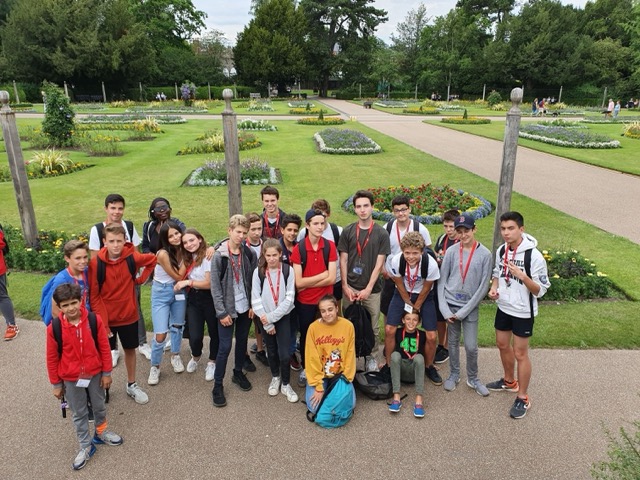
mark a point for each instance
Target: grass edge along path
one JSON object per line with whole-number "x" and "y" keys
{"x": 564, "y": 325}
{"x": 624, "y": 160}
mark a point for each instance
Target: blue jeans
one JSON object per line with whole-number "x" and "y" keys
{"x": 309, "y": 391}
{"x": 167, "y": 315}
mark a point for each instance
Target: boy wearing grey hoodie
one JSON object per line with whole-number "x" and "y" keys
{"x": 519, "y": 279}
{"x": 464, "y": 282}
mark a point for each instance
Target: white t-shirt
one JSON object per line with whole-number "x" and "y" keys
{"x": 393, "y": 268}
{"x": 399, "y": 232}
{"x": 94, "y": 240}
{"x": 199, "y": 272}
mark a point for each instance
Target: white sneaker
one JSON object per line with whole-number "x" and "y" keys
{"x": 167, "y": 344}
{"x": 176, "y": 363}
{"x": 135, "y": 392}
{"x": 372, "y": 365}
{"x": 288, "y": 391}
{"x": 210, "y": 371}
{"x": 154, "y": 376}
{"x": 274, "y": 386}
{"x": 115, "y": 356}
{"x": 192, "y": 366}
{"x": 145, "y": 350}
{"x": 302, "y": 379}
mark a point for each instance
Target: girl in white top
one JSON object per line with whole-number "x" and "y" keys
{"x": 200, "y": 308}
{"x": 168, "y": 307}
{"x": 272, "y": 299}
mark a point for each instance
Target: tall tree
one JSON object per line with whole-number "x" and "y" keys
{"x": 406, "y": 43}
{"x": 210, "y": 52}
{"x": 332, "y": 25}
{"x": 270, "y": 49}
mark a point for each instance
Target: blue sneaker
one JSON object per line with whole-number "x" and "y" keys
{"x": 107, "y": 438}
{"x": 418, "y": 410}
{"x": 83, "y": 457}
{"x": 395, "y": 406}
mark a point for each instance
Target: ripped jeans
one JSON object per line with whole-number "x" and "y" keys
{"x": 167, "y": 314}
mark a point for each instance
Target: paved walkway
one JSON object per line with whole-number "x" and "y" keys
{"x": 592, "y": 194}
{"x": 180, "y": 435}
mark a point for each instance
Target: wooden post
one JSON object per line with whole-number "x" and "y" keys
{"x": 176, "y": 85}
{"x": 360, "y": 91}
{"x": 15, "y": 91}
{"x": 231, "y": 154}
{"x": 141, "y": 96}
{"x": 104, "y": 94}
{"x": 66, "y": 89}
{"x": 560, "y": 95}
{"x": 209, "y": 87}
{"x": 604, "y": 97}
{"x": 484, "y": 91}
{"x": 507, "y": 173}
{"x": 415, "y": 95}
{"x": 18, "y": 172}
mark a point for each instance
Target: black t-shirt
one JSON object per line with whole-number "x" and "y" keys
{"x": 409, "y": 346}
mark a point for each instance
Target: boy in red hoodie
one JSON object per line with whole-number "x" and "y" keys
{"x": 78, "y": 365}
{"x": 114, "y": 297}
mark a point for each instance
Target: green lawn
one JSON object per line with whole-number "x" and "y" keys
{"x": 150, "y": 169}
{"x": 625, "y": 159}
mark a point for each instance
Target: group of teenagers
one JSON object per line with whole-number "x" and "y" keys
{"x": 292, "y": 282}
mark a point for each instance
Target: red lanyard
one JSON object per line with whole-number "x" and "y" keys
{"x": 359, "y": 247}
{"x": 417, "y": 344}
{"x": 409, "y": 277}
{"x": 463, "y": 274}
{"x": 506, "y": 261}
{"x": 275, "y": 294}
{"x": 271, "y": 233}
{"x": 234, "y": 267}
{"x": 398, "y": 230}
{"x": 85, "y": 280}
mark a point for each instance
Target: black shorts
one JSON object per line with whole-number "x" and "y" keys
{"x": 388, "y": 288}
{"x": 128, "y": 335}
{"x": 521, "y": 327}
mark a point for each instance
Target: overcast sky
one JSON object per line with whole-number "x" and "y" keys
{"x": 230, "y": 17}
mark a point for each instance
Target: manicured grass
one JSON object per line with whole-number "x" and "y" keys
{"x": 149, "y": 169}
{"x": 625, "y": 159}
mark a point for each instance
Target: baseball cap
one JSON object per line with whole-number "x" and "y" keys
{"x": 312, "y": 213}
{"x": 464, "y": 220}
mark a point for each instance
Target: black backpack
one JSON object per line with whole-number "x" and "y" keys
{"x": 375, "y": 385}
{"x": 326, "y": 250}
{"x": 527, "y": 269}
{"x": 102, "y": 270}
{"x": 416, "y": 226}
{"x": 286, "y": 268}
{"x": 361, "y": 319}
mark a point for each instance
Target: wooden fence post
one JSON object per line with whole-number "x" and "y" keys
{"x": 18, "y": 172}
{"x": 231, "y": 154}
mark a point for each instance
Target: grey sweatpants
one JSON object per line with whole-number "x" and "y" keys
{"x": 6, "y": 306}
{"x": 405, "y": 370}
{"x": 468, "y": 326}
{"x": 77, "y": 400}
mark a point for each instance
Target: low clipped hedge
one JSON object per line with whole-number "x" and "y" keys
{"x": 421, "y": 111}
{"x": 317, "y": 121}
{"x": 466, "y": 121}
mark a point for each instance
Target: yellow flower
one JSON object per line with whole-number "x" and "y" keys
{"x": 600, "y": 274}
{"x": 544, "y": 252}
{"x": 589, "y": 274}
{"x": 556, "y": 276}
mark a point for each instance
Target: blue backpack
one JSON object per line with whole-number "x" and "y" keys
{"x": 336, "y": 407}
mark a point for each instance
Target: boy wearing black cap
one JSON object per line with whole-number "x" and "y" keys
{"x": 314, "y": 263}
{"x": 464, "y": 282}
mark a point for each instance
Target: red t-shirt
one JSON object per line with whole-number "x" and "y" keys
{"x": 315, "y": 265}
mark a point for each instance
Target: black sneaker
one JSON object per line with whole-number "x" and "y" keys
{"x": 262, "y": 358}
{"x": 442, "y": 354}
{"x": 520, "y": 407}
{"x": 253, "y": 348}
{"x": 248, "y": 365}
{"x": 241, "y": 380}
{"x": 433, "y": 375}
{"x": 218, "y": 396}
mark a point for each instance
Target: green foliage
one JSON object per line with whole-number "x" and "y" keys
{"x": 213, "y": 141}
{"x": 53, "y": 161}
{"x": 100, "y": 145}
{"x": 494, "y": 98}
{"x": 324, "y": 121}
{"x": 624, "y": 456}
{"x": 58, "y": 121}
{"x": 214, "y": 173}
{"x": 320, "y": 115}
{"x": 422, "y": 110}
{"x": 465, "y": 115}
{"x": 632, "y": 130}
{"x": 466, "y": 121}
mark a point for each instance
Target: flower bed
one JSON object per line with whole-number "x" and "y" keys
{"x": 603, "y": 119}
{"x": 305, "y": 111}
{"x": 253, "y": 171}
{"x": 213, "y": 141}
{"x": 130, "y": 118}
{"x": 566, "y": 137}
{"x": 391, "y": 104}
{"x": 256, "y": 125}
{"x": 561, "y": 123}
{"x": 260, "y": 107}
{"x": 345, "y": 141}
{"x": 47, "y": 259}
{"x": 574, "y": 277}
{"x": 428, "y": 202}
{"x": 632, "y": 130}
{"x": 46, "y": 164}
{"x": 165, "y": 109}
{"x": 466, "y": 121}
{"x": 421, "y": 110}
{"x": 317, "y": 121}
{"x": 300, "y": 104}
